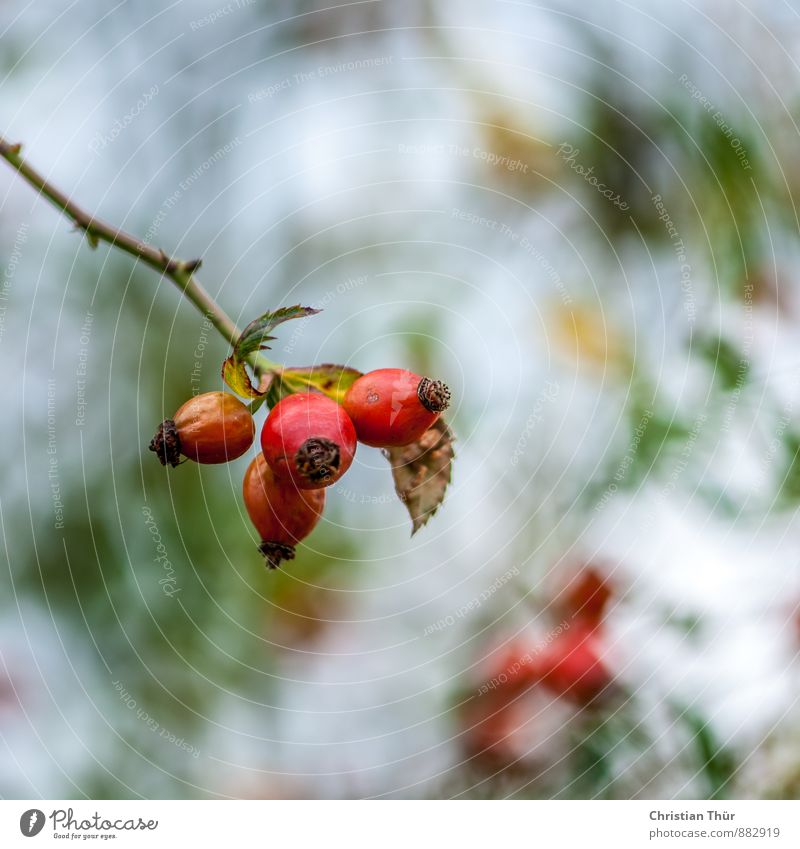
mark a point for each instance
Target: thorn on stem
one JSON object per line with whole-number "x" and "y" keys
{"x": 179, "y": 267}
{"x": 191, "y": 266}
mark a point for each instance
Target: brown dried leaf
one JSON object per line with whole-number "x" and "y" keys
{"x": 422, "y": 472}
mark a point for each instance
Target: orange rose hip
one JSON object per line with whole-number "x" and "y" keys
{"x": 214, "y": 427}
{"x": 281, "y": 513}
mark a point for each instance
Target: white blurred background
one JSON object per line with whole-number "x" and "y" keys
{"x": 583, "y": 219}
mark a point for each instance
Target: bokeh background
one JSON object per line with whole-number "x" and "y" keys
{"x": 582, "y": 216}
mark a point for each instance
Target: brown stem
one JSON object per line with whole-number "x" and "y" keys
{"x": 181, "y": 272}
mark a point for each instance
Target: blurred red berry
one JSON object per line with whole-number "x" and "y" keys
{"x": 514, "y": 666}
{"x": 586, "y": 596}
{"x": 572, "y": 665}
{"x": 490, "y": 728}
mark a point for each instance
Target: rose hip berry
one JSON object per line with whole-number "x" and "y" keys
{"x": 308, "y": 439}
{"x": 491, "y": 727}
{"x": 573, "y": 665}
{"x": 586, "y": 596}
{"x": 281, "y": 513}
{"x": 391, "y": 407}
{"x": 214, "y": 427}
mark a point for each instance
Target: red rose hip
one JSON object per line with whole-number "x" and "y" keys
{"x": 392, "y": 407}
{"x": 585, "y": 597}
{"x": 308, "y": 439}
{"x": 573, "y": 665}
{"x": 281, "y": 513}
{"x": 214, "y": 427}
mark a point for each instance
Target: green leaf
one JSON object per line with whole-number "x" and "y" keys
{"x": 255, "y": 336}
{"x": 422, "y": 472}
{"x": 235, "y": 375}
{"x": 332, "y": 380}
{"x": 731, "y": 368}
{"x": 789, "y": 487}
{"x": 252, "y": 339}
{"x": 717, "y": 762}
